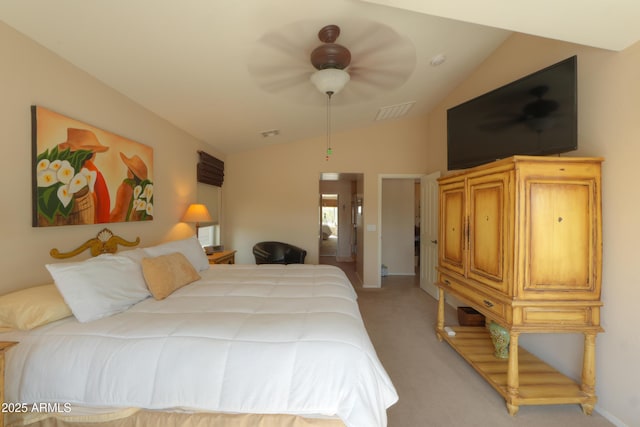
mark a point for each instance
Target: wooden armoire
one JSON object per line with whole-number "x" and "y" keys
{"x": 520, "y": 240}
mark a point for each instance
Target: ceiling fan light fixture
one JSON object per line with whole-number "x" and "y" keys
{"x": 330, "y": 80}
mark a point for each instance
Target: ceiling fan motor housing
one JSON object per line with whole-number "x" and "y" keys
{"x": 330, "y": 54}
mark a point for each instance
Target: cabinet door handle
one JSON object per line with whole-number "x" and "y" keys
{"x": 487, "y": 303}
{"x": 467, "y": 233}
{"x": 446, "y": 281}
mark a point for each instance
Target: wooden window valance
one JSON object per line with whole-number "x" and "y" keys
{"x": 210, "y": 169}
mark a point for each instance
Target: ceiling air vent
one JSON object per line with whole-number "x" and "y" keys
{"x": 270, "y": 133}
{"x": 394, "y": 111}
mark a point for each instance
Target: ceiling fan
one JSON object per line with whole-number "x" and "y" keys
{"x": 330, "y": 54}
{"x": 330, "y": 59}
{"x": 375, "y": 57}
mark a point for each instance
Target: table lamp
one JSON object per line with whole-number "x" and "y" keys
{"x": 197, "y": 213}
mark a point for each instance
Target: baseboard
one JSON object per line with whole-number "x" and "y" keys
{"x": 610, "y": 417}
{"x": 413, "y": 273}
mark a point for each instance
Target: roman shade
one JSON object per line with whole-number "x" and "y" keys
{"x": 210, "y": 169}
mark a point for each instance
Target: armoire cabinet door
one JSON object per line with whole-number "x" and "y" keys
{"x": 561, "y": 238}
{"x": 489, "y": 213}
{"x": 451, "y": 248}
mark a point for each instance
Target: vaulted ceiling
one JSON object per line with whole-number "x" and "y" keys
{"x": 228, "y": 71}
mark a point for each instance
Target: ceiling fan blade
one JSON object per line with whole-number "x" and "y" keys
{"x": 383, "y": 60}
{"x": 282, "y": 83}
{"x": 279, "y": 61}
{"x": 363, "y": 36}
{"x": 381, "y": 79}
{"x": 352, "y": 94}
{"x": 291, "y": 41}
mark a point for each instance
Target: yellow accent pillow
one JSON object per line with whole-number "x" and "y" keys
{"x": 32, "y": 307}
{"x": 165, "y": 274}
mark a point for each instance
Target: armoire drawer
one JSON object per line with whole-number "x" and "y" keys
{"x": 481, "y": 301}
{"x": 558, "y": 316}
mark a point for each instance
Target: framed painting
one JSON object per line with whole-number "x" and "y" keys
{"x": 85, "y": 175}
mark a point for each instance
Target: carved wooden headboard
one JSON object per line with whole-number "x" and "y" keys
{"x": 104, "y": 242}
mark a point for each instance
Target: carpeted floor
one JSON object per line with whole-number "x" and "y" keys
{"x": 436, "y": 386}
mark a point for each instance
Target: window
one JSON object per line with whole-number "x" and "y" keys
{"x": 209, "y": 235}
{"x": 209, "y": 232}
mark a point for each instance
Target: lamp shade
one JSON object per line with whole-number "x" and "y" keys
{"x": 330, "y": 80}
{"x": 197, "y": 212}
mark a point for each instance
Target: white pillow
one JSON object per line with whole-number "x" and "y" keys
{"x": 100, "y": 286}
{"x": 189, "y": 247}
{"x": 137, "y": 254}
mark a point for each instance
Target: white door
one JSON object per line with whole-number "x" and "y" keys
{"x": 429, "y": 233}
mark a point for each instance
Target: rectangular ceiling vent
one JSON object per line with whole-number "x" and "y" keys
{"x": 394, "y": 111}
{"x": 270, "y": 133}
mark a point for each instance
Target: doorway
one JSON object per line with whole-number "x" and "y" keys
{"x": 340, "y": 234}
{"x": 329, "y": 223}
{"x": 419, "y": 236}
{"x": 399, "y": 225}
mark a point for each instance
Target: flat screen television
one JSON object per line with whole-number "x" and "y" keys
{"x": 534, "y": 115}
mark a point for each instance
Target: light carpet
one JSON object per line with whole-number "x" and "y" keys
{"x": 436, "y": 386}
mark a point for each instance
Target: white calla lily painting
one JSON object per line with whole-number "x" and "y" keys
{"x": 85, "y": 175}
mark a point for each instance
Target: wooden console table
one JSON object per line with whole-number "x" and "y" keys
{"x": 522, "y": 379}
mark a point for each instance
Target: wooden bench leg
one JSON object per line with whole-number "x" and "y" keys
{"x": 440, "y": 321}
{"x": 589, "y": 372}
{"x": 513, "y": 378}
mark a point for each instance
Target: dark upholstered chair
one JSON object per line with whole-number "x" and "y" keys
{"x": 278, "y": 253}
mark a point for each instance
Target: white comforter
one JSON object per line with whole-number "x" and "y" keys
{"x": 244, "y": 338}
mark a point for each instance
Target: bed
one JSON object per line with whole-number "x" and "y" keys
{"x": 240, "y": 345}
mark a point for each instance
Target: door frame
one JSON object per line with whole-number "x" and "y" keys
{"x": 382, "y": 177}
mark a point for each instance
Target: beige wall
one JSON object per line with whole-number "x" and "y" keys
{"x": 608, "y": 126}
{"x": 31, "y": 75}
{"x": 272, "y": 193}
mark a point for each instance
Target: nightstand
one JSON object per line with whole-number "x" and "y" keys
{"x": 224, "y": 257}
{"x": 4, "y": 346}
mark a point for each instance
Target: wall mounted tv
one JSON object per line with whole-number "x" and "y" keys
{"x": 535, "y": 115}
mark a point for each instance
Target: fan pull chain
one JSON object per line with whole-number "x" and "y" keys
{"x": 329, "y": 151}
